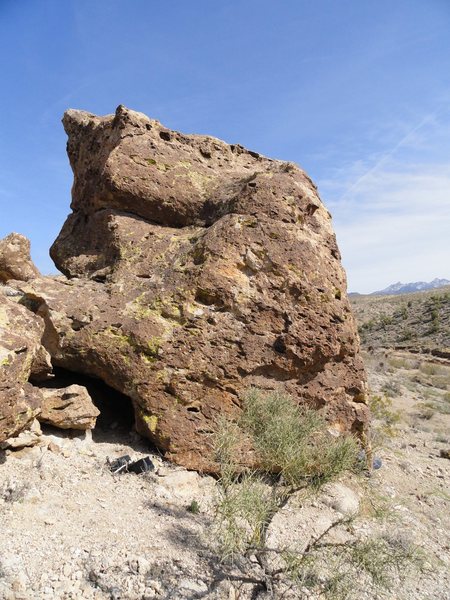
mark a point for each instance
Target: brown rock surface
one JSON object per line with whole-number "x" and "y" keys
{"x": 28, "y": 437}
{"x": 68, "y": 408}
{"x": 20, "y": 344}
{"x": 197, "y": 269}
{"x": 15, "y": 260}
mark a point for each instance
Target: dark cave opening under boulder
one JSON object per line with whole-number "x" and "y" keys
{"x": 115, "y": 422}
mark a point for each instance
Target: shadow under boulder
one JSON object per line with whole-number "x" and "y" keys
{"x": 74, "y": 401}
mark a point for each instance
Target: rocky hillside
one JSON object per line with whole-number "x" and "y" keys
{"x": 418, "y": 321}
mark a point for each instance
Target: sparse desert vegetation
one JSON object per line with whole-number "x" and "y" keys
{"x": 409, "y": 378}
{"x": 418, "y": 322}
{"x": 336, "y": 563}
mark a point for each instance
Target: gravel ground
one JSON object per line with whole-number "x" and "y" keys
{"x": 70, "y": 529}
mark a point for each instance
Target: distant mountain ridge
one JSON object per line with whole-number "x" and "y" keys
{"x": 416, "y": 286}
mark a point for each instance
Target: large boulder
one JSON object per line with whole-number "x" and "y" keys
{"x": 196, "y": 269}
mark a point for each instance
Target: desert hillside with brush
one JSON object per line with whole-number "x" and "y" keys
{"x": 419, "y": 322}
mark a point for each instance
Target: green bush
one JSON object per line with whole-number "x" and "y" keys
{"x": 293, "y": 440}
{"x": 382, "y": 411}
{"x": 292, "y": 450}
{"x": 194, "y": 507}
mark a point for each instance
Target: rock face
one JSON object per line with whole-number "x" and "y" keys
{"x": 15, "y": 260}
{"x": 28, "y": 437}
{"x": 195, "y": 270}
{"x": 20, "y": 351}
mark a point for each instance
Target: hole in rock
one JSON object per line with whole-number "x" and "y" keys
{"x": 115, "y": 423}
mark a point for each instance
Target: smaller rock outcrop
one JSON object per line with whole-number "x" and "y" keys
{"x": 26, "y": 438}
{"x": 20, "y": 346}
{"x": 15, "y": 259}
{"x": 68, "y": 408}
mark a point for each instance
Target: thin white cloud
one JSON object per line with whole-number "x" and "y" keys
{"x": 408, "y": 139}
{"x": 396, "y": 228}
{"x": 392, "y": 219}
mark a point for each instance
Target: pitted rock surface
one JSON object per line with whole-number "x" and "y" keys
{"x": 20, "y": 351}
{"x": 196, "y": 269}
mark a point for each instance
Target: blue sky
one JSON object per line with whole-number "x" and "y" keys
{"x": 355, "y": 91}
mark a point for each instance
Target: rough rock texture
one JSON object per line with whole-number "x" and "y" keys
{"x": 28, "y": 437}
{"x": 196, "y": 269}
{"x": 68, "y": 408}
{"x": 15, "y": 260}
{"x": 20, "y": 350}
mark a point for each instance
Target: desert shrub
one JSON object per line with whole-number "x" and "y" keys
{"x": 227, "y": 439}
{"x": 406, "y": 334}
{"x": 443, "y": 408}
{"x": 343, "y": 571}
{"x": 391, "y": 388}
{"x": 385, "y": 556}
{"x": 244, "y": 504}
{"x": 243, "y": 512}
{"x": 441, "y": 381}
{"x": 193, "y": 507}
{"x": 293, "y": 440}
{"x": 399, "y": 363}
{"x": 428, "y": 368}
{"x": 292, "y": 451}
{"x": 367, "y": 326}
{"x": 382, "y": 411}
{"x": 426, "y": 410}
{"x": 385, "y": 321}
{"x": 401, "y": 312}
{"x": 435, "y": 324}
